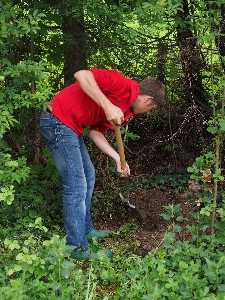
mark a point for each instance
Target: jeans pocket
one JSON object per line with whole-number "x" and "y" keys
{"x": 47, "y": 127}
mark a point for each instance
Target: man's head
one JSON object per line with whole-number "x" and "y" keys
{"x": 152, "y": 95}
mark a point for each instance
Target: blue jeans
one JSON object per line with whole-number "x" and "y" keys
{"x": 77, "y": 174}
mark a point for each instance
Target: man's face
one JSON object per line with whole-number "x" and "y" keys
{"x": 143, "y": 105}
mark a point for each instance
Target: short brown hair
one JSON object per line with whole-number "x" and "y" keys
{"x": 155, "y": 88}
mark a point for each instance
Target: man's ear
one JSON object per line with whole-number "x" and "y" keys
{"x": 150, "y": 100}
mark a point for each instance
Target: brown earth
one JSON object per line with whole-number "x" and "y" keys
{"x": 146, "y": 226}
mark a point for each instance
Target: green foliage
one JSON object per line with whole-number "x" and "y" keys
{"x": 33, "y": 197}
{"x": 11, "y": 172}
{"x": 128, "y": 134}
{"x": 39, "y": 267}
{"x": 178, "y": 271}
{"x": 175, "y": 181}
{"x": 17, "y": 72}
{"x": 16, "y": 90}
{"x": 203, "y": 162}
{"x": 16, "y": 95}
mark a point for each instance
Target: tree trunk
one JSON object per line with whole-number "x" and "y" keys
{"x": 190, "y": 58}
{"x": 74, "y": 48}
{"x": 220, "y": 39}
{"x": 37, "y": 137}
{"x": 161, "y": 61}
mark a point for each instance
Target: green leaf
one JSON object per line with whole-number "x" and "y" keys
{"x": 20, "y": 256}
{"x": 10, "y": 272}
{"x": 67, "y": 264}
{"x": 17, "y": 268}
{"x": 65, "y": 272}
{"x": 220, "y": 225}
{"x": 212, "y": 130}
{"x": 32, "y": 214}
{"x": 177, "y": 228}
{"x": 222, "y": 125}
{"x": 38, "y": 221}
{"x": 52, "y": 260}
{"x": 180, "y": 219}
{"x": 165, "y": 216}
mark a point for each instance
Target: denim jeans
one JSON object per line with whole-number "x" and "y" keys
{"x": 77, "y": 174}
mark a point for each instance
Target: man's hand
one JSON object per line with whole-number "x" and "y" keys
{"x": 113, "y": 114}
{"x": 125, "y": 172}
{"x": 99, "y": 139}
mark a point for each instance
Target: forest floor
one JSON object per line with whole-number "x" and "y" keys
{"x": 147, "y": 156}
{"x": 149, "y": 225}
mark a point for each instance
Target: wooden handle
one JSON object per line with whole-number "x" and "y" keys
{"x": 120, "y": 146}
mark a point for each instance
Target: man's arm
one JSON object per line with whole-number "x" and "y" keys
{"x": 89, "y": 85}
{"x": 99, "y": 139}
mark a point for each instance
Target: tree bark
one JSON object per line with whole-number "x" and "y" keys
{"x": 74, "y": 48}
{"x": 190, "y": 58}
{"x": 37, "y": 137}
{"x": 220, "y": 38}
{"x": 161, "y": 61}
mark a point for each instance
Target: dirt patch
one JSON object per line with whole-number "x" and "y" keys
{"x": 151, "y": 226}
{"x": 149, "y": 205}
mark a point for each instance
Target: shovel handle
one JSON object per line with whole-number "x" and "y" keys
{"x": 120, "y": 146}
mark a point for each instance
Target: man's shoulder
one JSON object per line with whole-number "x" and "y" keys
{"x": 106, "y": 71}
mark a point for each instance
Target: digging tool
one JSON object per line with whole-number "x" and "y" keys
{"x": 126, "y": 179}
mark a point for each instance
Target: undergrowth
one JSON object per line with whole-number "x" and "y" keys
{"x": 36, "y": 262}
{"x": 35, "y": 269}
{"x": 176, "y": 181}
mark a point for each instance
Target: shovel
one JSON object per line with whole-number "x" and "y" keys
{"x": 126, "y": 179}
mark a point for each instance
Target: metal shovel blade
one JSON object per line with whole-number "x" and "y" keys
{"x": 134, "y": 210}
{"x": 126, "y": 200}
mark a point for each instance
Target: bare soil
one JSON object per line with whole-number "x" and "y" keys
{"x": 149, "y": 224}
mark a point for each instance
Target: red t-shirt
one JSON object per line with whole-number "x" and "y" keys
{"x": 76, "y": 109}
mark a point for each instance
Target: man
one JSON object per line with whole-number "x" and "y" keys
{"x": 100, "y": 99}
